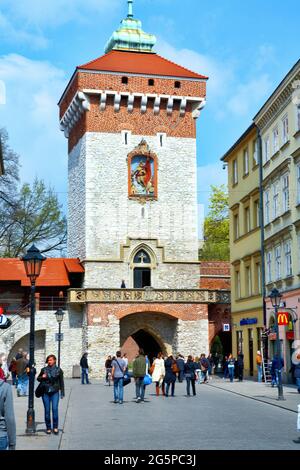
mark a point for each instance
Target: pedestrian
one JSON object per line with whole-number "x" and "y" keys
{"x": 19, "y": 354}
{"x": 225, "y": 368}
{"x": 204, "y": 366}
{"x": 259, "y": 361}
{"x": 2, "y": 375}
{"x": 125, "y": 358}
{"x": 139, "y": 372}
{"x": 190, "y": 375}
{"x": 170, "y": 377}
{"x": 276, "y": 366}
{"x": 4, "y": 366}
{"x": 180, "y": 365}
{"x": 7, "y": 418}
{"x": 108, "y": 367}
{"x": 84, "y": 369}
{"x": 123, "y": 285}
{"x": 22, "y": 374}
{"x": 158, "y": 373}
{"x": 13, "y": 370}
{"x": 198, "y": 370}
{"x": 297, "y": 375}
{"x": 240, "y": 366}
{"x": 231, "y": 366}
{"x": 211, "y": 365}
{"x": 117, "y": 373}
{"x": 52, "y": 379}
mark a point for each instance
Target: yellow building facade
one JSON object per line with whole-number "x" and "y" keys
{"x": 245, "y": 248}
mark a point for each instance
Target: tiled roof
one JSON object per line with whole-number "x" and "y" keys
{"x": 139, "y": 63}
{"x": 54, "y": 272}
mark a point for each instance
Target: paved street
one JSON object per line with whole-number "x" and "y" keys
{"x": 215, "y": 419}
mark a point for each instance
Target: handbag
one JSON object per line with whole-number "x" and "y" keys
{"x": 147, "y": 379}
{"x": 126, "y": 377}
{"x": 151, "y": 370}
{"x": 174, "y": 368}
{"x": 40, "y": 390}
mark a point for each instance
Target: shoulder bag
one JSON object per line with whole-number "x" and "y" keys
{"x": 126, "y": 378}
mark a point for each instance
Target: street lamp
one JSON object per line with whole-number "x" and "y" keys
{"x": 59, "y": 317}
{"x": 275, "y": 297}
{"x": 33, "y": 263}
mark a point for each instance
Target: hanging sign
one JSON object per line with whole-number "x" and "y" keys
{"x": 226, "y": 327}
{"x": 283, "y": 318}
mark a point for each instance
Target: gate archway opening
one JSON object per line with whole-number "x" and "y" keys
{"x": 148, "y": 343}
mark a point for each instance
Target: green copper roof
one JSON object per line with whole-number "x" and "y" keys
{"x": 130, "y": 36}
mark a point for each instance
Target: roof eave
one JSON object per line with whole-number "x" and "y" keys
{"x": 239, "y": 141}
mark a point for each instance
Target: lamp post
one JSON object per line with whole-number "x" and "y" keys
{"x": 59, "y": 317}
{"x": 33, "y": 263}
{"x": 275, "y": 297}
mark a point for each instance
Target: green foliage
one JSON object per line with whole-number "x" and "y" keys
{"x": 216, "y": 227}
{"x": 217, "y": 347}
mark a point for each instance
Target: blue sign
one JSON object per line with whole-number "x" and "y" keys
{"x": 248, "y": 321}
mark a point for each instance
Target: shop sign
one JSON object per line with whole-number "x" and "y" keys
{"x": 226, "y": 327}
{"x": 289, "y": 335}
{"x": 248, "y": 321}
{"x": 283, "y": 318}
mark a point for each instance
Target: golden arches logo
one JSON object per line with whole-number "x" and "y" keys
{"x": 283, "y": 319}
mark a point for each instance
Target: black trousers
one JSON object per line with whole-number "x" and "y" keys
{"x": 172, "y": 389}
{"x": 190, "y": 381}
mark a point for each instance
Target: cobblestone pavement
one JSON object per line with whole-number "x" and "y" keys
{"x": 221, "y": 416}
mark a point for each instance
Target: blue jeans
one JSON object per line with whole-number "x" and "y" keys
{"x": 118, "y": 389}
{"x": 3, "y": 443}
{"x": 172, "y": 385}
{"x": 53, "y": 399}
{"x": 231, "y": 373}
{"x": 204, "y": 376}
{"x": 22, "y": 384}
{"x": 84, "y": 375}
{"x": 139, "y": 388}
{"x": 259, "y": 373}
{"x": 275, "y": 377}
{"x": 298, "y": 383}
{"x": 189, "y": 381}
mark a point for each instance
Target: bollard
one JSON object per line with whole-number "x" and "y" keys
{"x": 297, "y": 441}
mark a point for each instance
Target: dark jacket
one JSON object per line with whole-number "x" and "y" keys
{"x": 240, "y": 361}
{"x": 189, "y": 369}
{"x": 139, "y": 367}
{"x": 297, "y": 371}
{"x": 170, "y": 376}
{"x": 275, "y": 364}
{"x": 7, "y": 415}
{"x": 180, "y": 364}
{"x": 21, "y": 366}
{"x": 54, "y": 382}
{"x": 108, "y": 363}
{"x": 204, "y": 363}
{"x": 84, "y": 362}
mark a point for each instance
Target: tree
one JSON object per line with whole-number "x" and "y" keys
{"x": 28, "y": 215}
{"x": 217, "y": 347}
{"x": 216, "y": 227}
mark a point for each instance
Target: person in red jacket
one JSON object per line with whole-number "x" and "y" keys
{"x": 2, "y": 375}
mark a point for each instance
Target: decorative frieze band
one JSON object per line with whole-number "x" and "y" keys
{"x": 81, "y": 296}
{"x": 79, "y": 105}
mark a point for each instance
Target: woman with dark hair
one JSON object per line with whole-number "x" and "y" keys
{"x": 190, "y": 375}
{"x": 170, "y": 377}
{"x": 52, "y": 380}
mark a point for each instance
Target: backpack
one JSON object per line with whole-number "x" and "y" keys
{"x": 174, "y": 368}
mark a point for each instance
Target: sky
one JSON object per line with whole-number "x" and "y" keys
{"x": 246, "y": 48}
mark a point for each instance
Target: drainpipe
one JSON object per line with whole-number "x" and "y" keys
{"x": 261, "y": 222}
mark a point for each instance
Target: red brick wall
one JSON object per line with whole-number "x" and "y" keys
{"x": 215, "y": 268}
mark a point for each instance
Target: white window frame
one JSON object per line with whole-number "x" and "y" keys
{"x": 255, "y": 152}
{"x": 246, "y": 161}
{"x": 258, "y": 277}
{"x": 275, "y": 139}
{"x": 288, "y": 258}
{"x": 247, "y": 216}
{"x": 276, "y": 209}
{"x": 234, "y": 172}
{"x": 285, "y": 129}
{"x": 269, "y": 266}
{"x": 285, "y": 192}
{"x": 297, "y": 118}
{"x": 266, "y": 149}
{"x": 277, "y": 262}
{"x": 248, "y": 281}
{"x": 298, "y": 183}
{"x": 236, "y": 226}
{"x": 238, "y": 284}
{"x": 267, "y": 206}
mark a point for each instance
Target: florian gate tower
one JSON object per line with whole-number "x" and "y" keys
{"x": 130, "y": 120}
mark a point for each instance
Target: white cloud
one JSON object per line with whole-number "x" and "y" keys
{"x": 31, "y": 117}
{"x": 249, "y": 95}
{"x": 11, "y": 33}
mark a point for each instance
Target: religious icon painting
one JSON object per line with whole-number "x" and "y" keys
{"x": 142, "y": 173}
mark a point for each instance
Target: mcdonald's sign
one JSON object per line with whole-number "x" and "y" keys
{"x": 283, "y": 318}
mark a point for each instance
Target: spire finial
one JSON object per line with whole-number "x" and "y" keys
{"x": 130, "y": 9}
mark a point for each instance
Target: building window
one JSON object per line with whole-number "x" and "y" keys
{"x": 285, "y": 129}
{"x": 298, "y": 184}
{"x": 288, "y": 258}
{"x": 275, "y": 139}
{"x": 247, "y": 220}
{"x": 256, "y": 214}
{"x": 239, "y": 341}
{"x": 275, "y": 200}
{"x": 125, "y": 80}
{"x": 298, "y": 118}
{"x": 237, "y": 285}
{"x": 126, "y": 137}
{"x": 246, "y": 162}
{"x": 255, "y": 152}
{"x": 161, "y": 139}
{"x": 277, "y": 262}
{"x": 258, "y": 277}
{"x": 177, "y": 84}
{"x": 151, "y": 82}
{"x": 236, "y": 226}
{"x": 285, "y": 193}
{"x": 269, "y": 266}
{"x": 248, "y": 281}
{"x": 234, "y": 172}
{"x": 267, "y": 207}
{"x": 266, "y": 149}
{"x": 142, "y": 257}
{"x": 142, "y": 273}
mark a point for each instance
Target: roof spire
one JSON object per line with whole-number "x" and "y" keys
{"x": 130, "y": 9}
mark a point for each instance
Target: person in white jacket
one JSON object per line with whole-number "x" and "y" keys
{"x": 158, "y": 372}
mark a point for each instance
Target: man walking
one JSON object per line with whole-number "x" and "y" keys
{"x": 180, "y": 365}
{"x": 259, "y": 366}
{"x": 7, "y": 418}
{"x": 21, "y": 369}
{"x": 117, "y": 373}
{"x": 84, "y": 369}
{"x": 139, "y": 372}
